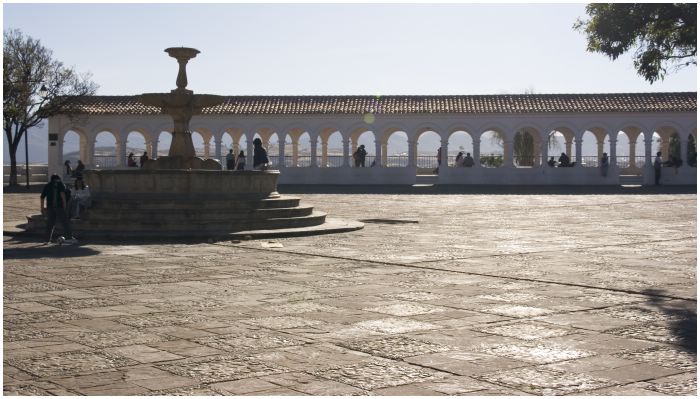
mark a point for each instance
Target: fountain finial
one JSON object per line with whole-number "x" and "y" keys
{"x": 182, "y": 55}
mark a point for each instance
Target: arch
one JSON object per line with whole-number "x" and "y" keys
{"x": 164, "y": 139}
{"x": 105, "y": 151}
{"x": 396, "y": 149}
{"x": 459, "y": 142}
{"x": 333, "y": 150}
{"x": 564, "y": 140}
{"x": 366, "y": 139}
{"x": 428, "y": 143}
{"x": 492, "y": 153}
{"x": 301, "y": 158}
{"x": 622, "y": 150}
{"x": 525, "y": 148}
{"x": 592, "y": 149}
{"x": 200, "y": 143}
{"x": 73, "y": 143}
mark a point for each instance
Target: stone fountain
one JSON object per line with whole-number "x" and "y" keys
{"x": 181, "y": 196}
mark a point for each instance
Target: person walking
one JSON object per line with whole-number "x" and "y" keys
{"x": 657, "y": 169}
{"x": 230, "y": 160}
{"x": 604, "y": 163}
{"x": 54, "y": 194}
{"x": 79, "y": 173}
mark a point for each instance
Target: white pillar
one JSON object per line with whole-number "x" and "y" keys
{"x": 295, "y": 152}
{"x": 385, "y": 149}
{"x": 477, "y": 152}
{"x": 280, "y": 162}
{"x": 121, "y": 152}
{"x": 412, "y": 153}
{"x": 377, "y": 152}
{"x": 579, "y": 152}
{"x": 55, "y": 149}
{"x": 508, "y": 154}
{"x": 443, "y": 153}
{"x": 545, "y": 153}
{"x": 648, "y": 139}
{"x": 613, "y": 153}
{"x": 346, "y": 151}
{"x": 684, "y": 150}
{"x": 150, "y": 148}
{"x": 314, "y": 147}
{"x": 90, "y": 152}
{"x": 217, "y": 148}
{"x": 249, "y": 154}
{"x": 324, "y": 153}
{"x": 633, "y": 153}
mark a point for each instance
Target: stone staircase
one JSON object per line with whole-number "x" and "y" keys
{"x": 191, "y": 218}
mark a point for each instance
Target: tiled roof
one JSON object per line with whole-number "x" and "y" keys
{"x": 473, "y": 104}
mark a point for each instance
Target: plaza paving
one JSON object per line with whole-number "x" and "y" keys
{"x": 437, "y": 295}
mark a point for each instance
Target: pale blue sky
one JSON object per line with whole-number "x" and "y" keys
{"x": 370, "y": 49}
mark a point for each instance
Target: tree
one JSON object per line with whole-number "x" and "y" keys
{"x": 27, "y": 68}
{"x": 665, "y": 35}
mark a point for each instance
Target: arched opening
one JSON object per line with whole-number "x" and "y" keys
{"x": 524, "y": 149}
{"x": 590, "y": 152}
{"x": 428, "y": 147}
{"x": 674, "y": 146}
{"x": 491, "y": 149}
{"x": 164, "y": 140}
{"x": 226, "y": 147}
{"x": 365, "y": 139}
{"x": 136, "y": 144}
{"x": 303, "y": 159}
{"x": 334, "y": 155}
{"x": 460, "y": 146}
{"x": 622, "y": 151}
{"x": 105, "y": 150}
{"x": 198, "y": 142}
{"x": 692, "y": 153}
{"x": 397, "y": 150}
{"x": 72, "y": 142}
{"x": 273, "y": 150}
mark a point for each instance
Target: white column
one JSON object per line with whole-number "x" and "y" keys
{"x": 579, "y": 152}
{"x": 477, "y": 152}
{"x": 249, "y": 153}
{"x": 443, "y": 153}
{"x": 90, "y": 152}
{"x": 295, "y": 152}
{"x": 613, "y": 153}
{"x": 55, "y": 148}
{"x": 545, "y": 153}
{"x": 314, "y": 147}
{"x": 207, "y": 145}
{"x": 324, "y": 153}
{"x": 377, "y": 152}
{"x": 648, "y": 168}
{"x": 412, "y": 153}
{"x": 664, "y": 147}
{"x": 567, "y": 144}
{"x": 385, "y": 150}
{"x": 217, "y": 148}
{"x": 346, "y": 151}
{"x": 121, "y": 152}
{"x": 633, "y": 153}
{"x": 508, "y": 153}
{"x": 684, "y": 150}
{"x": 150, "y": 148}
{"x": 283, "y": 141}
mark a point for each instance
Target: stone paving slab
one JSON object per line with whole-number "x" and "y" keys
{"x": 535, "y": 294}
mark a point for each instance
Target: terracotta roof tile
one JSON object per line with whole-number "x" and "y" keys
{"x": 388, "y": 105}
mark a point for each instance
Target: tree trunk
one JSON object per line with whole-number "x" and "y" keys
{"x": 13, "y": 168}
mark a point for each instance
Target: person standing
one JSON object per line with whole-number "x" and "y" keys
{"x": 68, "y": 171}
{"x": 131, "y": 161}
{"x": 54, "y": 194}
{"x": 657, "y": 168}
{"x": 459, "y": 159}
{"x": 604, "y": 163}
{"x": 240, "y": 161}
{"x": 143, "y": 159}
{"x": 230, "y": 160}
{"x": 260, "y": 159}
{"x": 79, "y": 173}
{"x": 468, "y": 161}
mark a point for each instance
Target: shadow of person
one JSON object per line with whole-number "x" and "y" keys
{"x": 682, "y": 319}
{"x": 48, "y": 251}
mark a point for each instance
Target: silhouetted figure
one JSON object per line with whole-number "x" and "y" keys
{"x": 143, "y": 159}
{"x": 240, "y": 161}
{"x": 459, "y": 159}
{"x": 604, "y": 163}
{"x": 131, "y": 161}
{"x": 468, "y": 161}
{"x": 360, "y": 155}
{"x": 552, "y": 163}
{"x": 230, "y": 160}
{"x": 657, "y": 168}
{"x": 68, "y": 171}
{"x": 78, "y": 173}
{"x": 260, "y": 159}
{"x": 564, "y": 161}
{"x": 55, "y": 194}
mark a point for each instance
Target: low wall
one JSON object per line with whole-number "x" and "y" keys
{"x": 527, "y": 176}
{"x": 348, "y": 176}
{"x": 182, "y": 183}
{"x": 37, "y": 173}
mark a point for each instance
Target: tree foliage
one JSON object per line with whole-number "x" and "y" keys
{"x": 27, "y": 66}
{"x": 664, "y": 34}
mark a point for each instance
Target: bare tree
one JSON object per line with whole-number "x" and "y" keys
{"x": 29, "y": 67}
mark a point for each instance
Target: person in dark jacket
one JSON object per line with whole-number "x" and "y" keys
{"x": 54, "y": 194}
{"x": 260, "y": 159}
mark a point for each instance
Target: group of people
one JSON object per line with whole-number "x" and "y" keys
{"x": 260, "y": 158}
{"x": 462, "y": 160}
{"x": 60, "y": 203}
{"x": 131, "y": 160}
{"x": 563, "y": 162}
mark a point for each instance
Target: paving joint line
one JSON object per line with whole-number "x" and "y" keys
{"x": 413, "y": 266}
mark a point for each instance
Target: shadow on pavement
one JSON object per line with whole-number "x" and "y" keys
{"x": 479, "y": 189}
{"x": 683, "y": 320}
{"x": 41, "y": 250}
